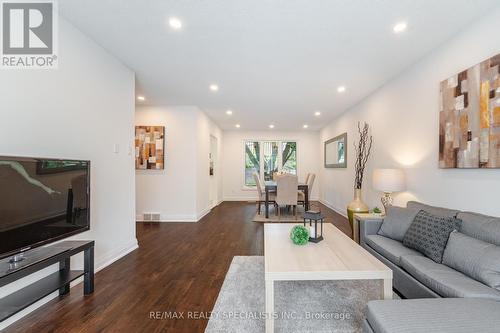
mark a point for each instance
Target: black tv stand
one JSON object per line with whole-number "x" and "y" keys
{"x": 37, "y": 259}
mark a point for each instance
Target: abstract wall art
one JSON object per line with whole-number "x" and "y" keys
{"x": 469, "y": 117}
{"x": 149, "y": 147}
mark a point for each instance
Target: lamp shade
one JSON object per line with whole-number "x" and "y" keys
{"x": 389, "y": 180}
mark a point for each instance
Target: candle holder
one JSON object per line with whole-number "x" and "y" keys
{"x": 313, "y": 216}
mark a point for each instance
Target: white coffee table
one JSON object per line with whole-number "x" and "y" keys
{"x": 337, "y": 257}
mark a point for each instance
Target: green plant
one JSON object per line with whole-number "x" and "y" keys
{"x": 377, "y": 210}
{"x": 299, "y": 235}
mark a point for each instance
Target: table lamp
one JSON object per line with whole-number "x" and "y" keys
{"x": 388, "y": 181}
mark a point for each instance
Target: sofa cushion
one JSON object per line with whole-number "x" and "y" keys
{"x": 445, "y": 212}
{"x": 446, "y": 281}
{"x": 397, "y": 221}
{"x": 474, "y": 258}
{"x": 483, "y": 227}
{"x": 427, "y": 315}
{"x": 389, "y": 248}
{"x": 429, "y": 234}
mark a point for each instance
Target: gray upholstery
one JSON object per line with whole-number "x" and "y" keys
{"x": 446, "y": 281}
{"x": 483, "y": 227}
{"x": 389, "y": 248}
{"x": 452, "y": 315}
{"x": 365, "y": 327}
{"x": 474, "y": 258}
{"x": 397, "y": 221}
{"x": 402, "y": 281}
{"x": 477, "y": 308}
{"x": 429, "y": 234}
{"x": 420, "y": 277}
{"x": 445, "y": 212}
{"x": 368, "y": 227}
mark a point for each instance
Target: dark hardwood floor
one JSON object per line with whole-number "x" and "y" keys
{"x": 178, "y": 267}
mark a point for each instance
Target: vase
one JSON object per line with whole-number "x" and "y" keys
{"x": 356, "y": 206}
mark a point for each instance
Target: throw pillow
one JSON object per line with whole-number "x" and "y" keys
{"x": 473, "y": 257}
{"x": 429, "y": 234}
{"x": 397, "y": 221}
{"x": 439, "y": 211}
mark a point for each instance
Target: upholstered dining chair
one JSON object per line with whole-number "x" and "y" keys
{"x": 287, "y": 192}
{"x": 301, "y": 197}
{"x": 262, "y": 193}
{"x": 307, "y": 177}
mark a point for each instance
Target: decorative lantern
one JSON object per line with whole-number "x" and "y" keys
{"x": 315, "y": 233}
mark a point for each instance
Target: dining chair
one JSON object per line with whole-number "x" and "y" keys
{"x": 307, "y": 179}
{"x": 262, "y": 193}
{"x": 301, "y": 196}
{"x": 287, "y": 192}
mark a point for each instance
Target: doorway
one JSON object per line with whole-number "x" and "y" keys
{"x": 214, "y": 169}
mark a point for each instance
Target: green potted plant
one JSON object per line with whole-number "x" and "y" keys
{"x": 377, "y": 211}
{"x": 299, "y": 235}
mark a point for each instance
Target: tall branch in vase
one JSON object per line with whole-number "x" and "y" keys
{"x": 363, "y": 149}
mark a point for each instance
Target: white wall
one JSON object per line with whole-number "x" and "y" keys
{"x": 404, "y": 116}
{"x": 207, "y": 128}
{"x": 180, "y": 192}
{"x": 79, "y": 111}
{"x": 308, "y": 159}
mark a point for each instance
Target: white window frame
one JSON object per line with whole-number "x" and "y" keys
{"x": 261, "y": 158}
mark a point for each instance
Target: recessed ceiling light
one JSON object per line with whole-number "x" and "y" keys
{"x": 317, "y": 113}
{"x": 214, "y": 87}
{"x": 175, "y": 23}
{"x": 271, "y": 126}
{"x": 141, "y": 98}
{"x": 341, "y": 89}
{"x": 305, "y": 126}
{"x": 229, "y": 112}
{"x": 399, "y": 27}
{"x": 237, "y": 126}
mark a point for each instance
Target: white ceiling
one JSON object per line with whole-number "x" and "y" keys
{"x": 274, "y": 61}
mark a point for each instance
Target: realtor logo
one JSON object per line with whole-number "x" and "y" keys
{"x": 28, "y": 34}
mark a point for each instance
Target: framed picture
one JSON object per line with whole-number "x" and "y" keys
{"x": 469, "y": 117}
{"x": 149, "y": 147}
{"x": 336, "y": 152}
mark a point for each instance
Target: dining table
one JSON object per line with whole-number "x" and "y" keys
{"x": 272, "y": 186}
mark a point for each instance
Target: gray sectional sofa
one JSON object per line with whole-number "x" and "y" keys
{"x": 473, "y": 280}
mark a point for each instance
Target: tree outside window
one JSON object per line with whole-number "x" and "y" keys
{"x": 268, "y": 157}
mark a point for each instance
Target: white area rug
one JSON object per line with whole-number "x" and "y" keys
{"x": 302, "y": 306}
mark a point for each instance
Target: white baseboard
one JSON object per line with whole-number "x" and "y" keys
{"x": 179, "y": 217}
{"x": 203, "y": 213}
{"x": 108, "y": 259}
{"x": 216, "y": 204}
{"x": 255, "y": 199}
{"x": 341, "y": 211}
{"x": 101, "y": 263}
{"x": 240, "y": 198}
{"x": 172, "y": 218}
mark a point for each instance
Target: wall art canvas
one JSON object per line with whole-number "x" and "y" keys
{"x": 469, "y": 117}
{"x": 149, "y": 147}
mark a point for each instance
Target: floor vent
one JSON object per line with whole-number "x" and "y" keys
{"x": 151, "y": 217}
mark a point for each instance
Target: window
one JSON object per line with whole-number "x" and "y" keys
{"x": 289, "y": 157}
{"x": 268, "y": 157}
{"x": 252, "y": 162}
{"x": 270, "y": 152}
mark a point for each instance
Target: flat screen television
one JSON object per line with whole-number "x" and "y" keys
{"x": 41, "y": 201}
